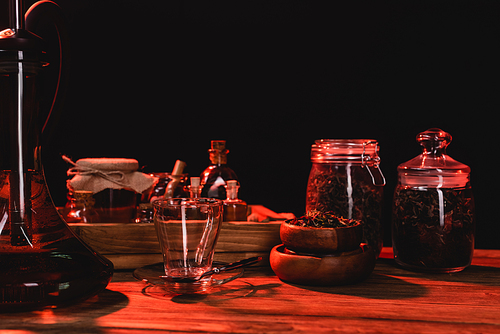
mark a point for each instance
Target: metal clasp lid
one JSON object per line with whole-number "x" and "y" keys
{"x": 376, "y": 161}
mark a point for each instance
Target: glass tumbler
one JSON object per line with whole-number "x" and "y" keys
{"x": 187, "y": 230}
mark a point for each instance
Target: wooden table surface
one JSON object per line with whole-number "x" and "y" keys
{"x": 391, "y": 300}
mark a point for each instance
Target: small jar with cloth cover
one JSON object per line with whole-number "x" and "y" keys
{"x": 115, "y": 183}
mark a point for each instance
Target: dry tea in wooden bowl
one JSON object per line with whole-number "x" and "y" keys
{"x": 321, "y": 233}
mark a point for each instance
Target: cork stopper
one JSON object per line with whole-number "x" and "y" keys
{"x": 178, "y": 167}
{"x": 176, "y": 177}
{"x": 195, "y": 181}
{"x": 218, "y": 145}
{"x": 218, "y": 152}
{"x": 232, "y": 183}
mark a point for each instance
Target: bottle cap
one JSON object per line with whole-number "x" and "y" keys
{"x": 218, "y": 152}
{"x": 232, "y": 183}
{"x": 218, "y": 144}
{"x": 195, "y": 181}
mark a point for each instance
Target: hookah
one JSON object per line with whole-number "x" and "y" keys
{"x": 42, "y": 262}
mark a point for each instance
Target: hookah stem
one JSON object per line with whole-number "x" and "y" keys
{"x": 16, "y": 17}
{"x": 20, "y": 184}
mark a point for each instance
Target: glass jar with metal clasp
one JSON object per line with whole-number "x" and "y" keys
{"x": 346, "y": 179}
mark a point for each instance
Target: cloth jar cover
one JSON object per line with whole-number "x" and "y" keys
{"x": 97, "y": 174}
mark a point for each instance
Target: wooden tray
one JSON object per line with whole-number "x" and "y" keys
{"x": 130, "y": 246}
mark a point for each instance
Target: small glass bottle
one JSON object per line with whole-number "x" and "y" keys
{"x": 215, "y": 176}
{"x": 345, "y": 179}
{"x": 82, "y": 208}
{"x": 70, "y": 204}
{"x": 433, "y": 210}
{"x": 194, "y": 187}
{"x": 234, "y": 208}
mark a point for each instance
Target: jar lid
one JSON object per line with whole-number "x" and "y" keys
{"x": 433, "y": 167}
{"x": 121, "y": 164}
{"x": 327, "y": 150}
{"x": 97, "y": 174}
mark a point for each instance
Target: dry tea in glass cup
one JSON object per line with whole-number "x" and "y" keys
{"x": 187, "y": 230}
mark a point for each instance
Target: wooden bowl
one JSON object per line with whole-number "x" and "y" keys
{"x": 328, "y": 270}
{"x": 321, "y": 240}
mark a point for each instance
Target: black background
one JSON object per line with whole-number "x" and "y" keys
{"x": 157, "y": 80}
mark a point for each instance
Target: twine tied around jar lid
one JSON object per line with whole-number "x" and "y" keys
{"x": 97, "y": 174}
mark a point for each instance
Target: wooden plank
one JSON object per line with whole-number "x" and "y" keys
{"x": 131, "y": 246}
{"x": 141, "y": 238}
{"x": 118, "y": 238}
{"x": 248, "y": 237}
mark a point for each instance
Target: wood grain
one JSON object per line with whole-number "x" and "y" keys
{"x": 391, "y": 300}
{"x": 130, "y": 246}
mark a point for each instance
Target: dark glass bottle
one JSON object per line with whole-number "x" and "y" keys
{"x": 214, "y": 178}
{"x": 169, "y": 185}
{"x": 160, "y": 188}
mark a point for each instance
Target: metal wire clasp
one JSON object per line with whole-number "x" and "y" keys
{"x": 376, "y": 161}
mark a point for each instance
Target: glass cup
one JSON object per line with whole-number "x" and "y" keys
{"x": 187, "y": 230}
